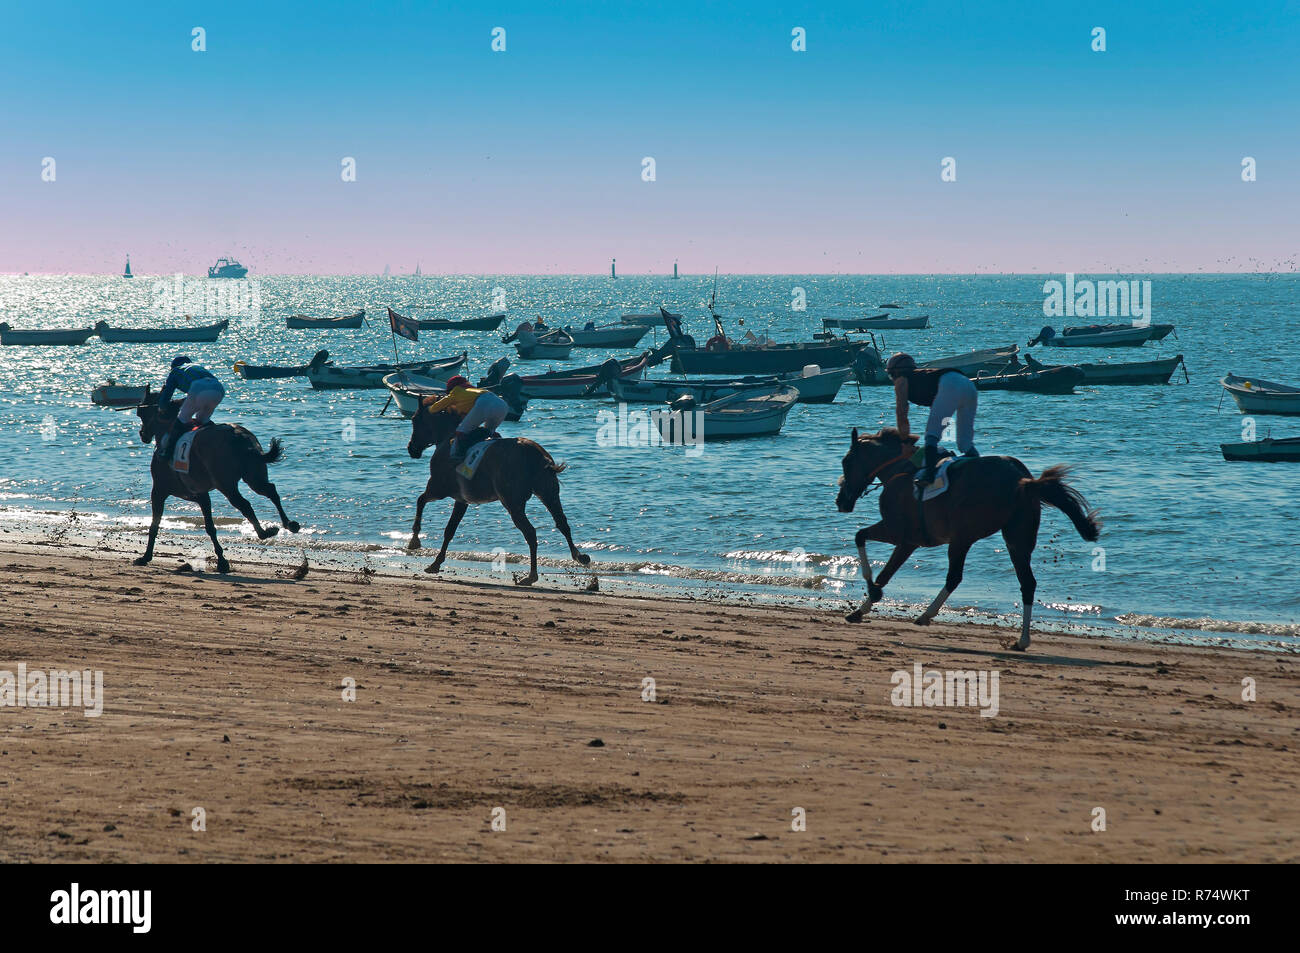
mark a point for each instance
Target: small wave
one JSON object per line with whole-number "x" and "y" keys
{"x": 1207, "y": 624}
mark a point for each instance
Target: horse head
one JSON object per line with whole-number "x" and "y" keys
{"x": 155, "y": 419}
{"x": 430, "y": 429}
{"x": 868, "y": 455}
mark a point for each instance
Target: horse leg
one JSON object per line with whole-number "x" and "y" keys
{"x": 205, "y": 504}
{"x": 516, "y": 510}
{"x": 457, "y": 512}
{"x": 425, "y": 497}
{"x": 875, "y": 593}
{"x": 1021, "y": 538}
{"x": 238, "y": 502}
{"x": 260, "y": 484}
{"x": 956, "y": 562}
{"x": 550, "y": 497}
{"x": 157, "y": 498}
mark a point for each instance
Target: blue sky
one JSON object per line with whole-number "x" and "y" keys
{"x": 767, "y": 160}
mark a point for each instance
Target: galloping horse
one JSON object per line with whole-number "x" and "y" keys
{"x": 513, "y": 471}
{"x": 220, "y": 456}
{"x": 984, "y": 495}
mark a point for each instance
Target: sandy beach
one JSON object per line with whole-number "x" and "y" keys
{"x": 227, "y": 694}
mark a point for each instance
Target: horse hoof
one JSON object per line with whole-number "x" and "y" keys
{"x": 526, "y": 580}
{"x": 268, "y": 532}
{"x": 583, "y": 559}
{"x": 854, "y": 616}
{"x": 433, "y": 567}
{"x": 223, "y": 567}
{"x": 292, "y": 526}
{"x": 140, "y": 561}
{"x": 1014, "y": 646}
{"x": 414, "y": 543}
{"x": 922, "y": 620}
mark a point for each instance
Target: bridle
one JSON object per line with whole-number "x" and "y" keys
{"x": 871, "y": 477}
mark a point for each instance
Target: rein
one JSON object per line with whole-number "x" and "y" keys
{"x": 868, "y": 486}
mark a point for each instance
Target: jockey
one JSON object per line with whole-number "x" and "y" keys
{"x": 477, "y": 407}
{"x": 947, "y": 392}
{"x": 202, "y": 394}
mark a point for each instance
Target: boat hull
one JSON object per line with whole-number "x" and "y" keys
{"x": 736, "y": 417}
{"x": 11, "y": 337}
{"x": 570, "y": 385}
{"x": 781, "y": 359}
{"x": 208, "y": 333}
{"x": 817, "y": 389}
{"x": 1263, "y": 451}
{"x": 1123, "y": 337}
{"x": 873, "y": 324}
{"x": 1052, "y": 380}
{"x": 371, "y": 376}
{"x": 119, "y": 395}
{"x": 1255, "y": 396}
{"x": 625, "y": 336}
{"x": 490, "y": 323}
{"x": 543, "y": 352}
{"x": 346, "y": 321}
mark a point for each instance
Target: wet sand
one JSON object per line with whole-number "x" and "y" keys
{"x": 226, "y": 693}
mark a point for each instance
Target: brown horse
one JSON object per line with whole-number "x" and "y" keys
{"x": 984, "y": 495}
{"x": 512, "y": 472}
{"x": 220, "y": 456}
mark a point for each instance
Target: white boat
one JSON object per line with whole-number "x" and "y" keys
{"x": 990, "y": 360}
{"x": 371, "y": 376}
{"x": 743, "y": 414}
{"x": 553, "y": 345}
{"x": 610, "y": 336}
{"x": 1256, "y": 396}
{"x": 11, "y": 336}
{"x": 1103, "y": 335}
{"x": 409, "y": 389}
{"x": 814, "y": 386}
{"x": 114, "y": 394}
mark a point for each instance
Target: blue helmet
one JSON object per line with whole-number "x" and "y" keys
{"x": 179, "y": 360}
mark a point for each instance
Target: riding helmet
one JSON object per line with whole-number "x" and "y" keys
{"x": 457, "y": 381}
{"x": 179, "y": 360}
{"x": 900, "y": 363}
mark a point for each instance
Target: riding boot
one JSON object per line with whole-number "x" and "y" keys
{"x": 457, "y": 449}
{"x": 970, "y": 452}
{"x": 931, "y": 461}
{"x": 178, "y": 429}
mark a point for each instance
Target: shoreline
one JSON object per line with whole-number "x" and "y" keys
{"x": 473, "y": 696}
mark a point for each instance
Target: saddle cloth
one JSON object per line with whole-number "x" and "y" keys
{"x": 474, "y": 457}
{"x": 940, "y": 483}
{"x": 181, "y": 455}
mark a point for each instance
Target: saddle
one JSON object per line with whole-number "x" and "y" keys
{"x": 474, "y": 447}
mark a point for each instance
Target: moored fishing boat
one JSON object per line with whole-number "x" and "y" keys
{"x": 879, "y": 322}
{"x": 328, "y": 376}
{"x": 1048, "y": 380}
{"x": 743, "y": 414}
{"x": 610, "y": 336}
{"x": 988, "y": 361}
{"x": 114, "y": 394}
{"x": 1268, "y": 450}
{"x": 37, "y": 338}
{"x": 1256, "y": 396}
{"x": 409, "y": 389}
{"x": 352, "y": 320}
{"x": 1102, "y": 335}
{"x": 580, "y": 382}
{"x": 207, "y": 332}
{"x": 721, "y": 356}
{"x": 549, "y": 344}
{"x": 258, "y": 372}
{"x": 489, "y": 323}
{"x": 814, "y": 386}
{"x": 1128, "y": 373}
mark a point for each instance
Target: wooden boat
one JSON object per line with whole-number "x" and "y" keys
{"x": 581, "y": 382}
{"x": 743, "y": 414}
{"x": 1286, "y": 450}
{"x": 988, "y": 361}
{"x": 490, "y": 323}
{"x": 114, "y": 394}
{"x": 1134, "y": 372}
{"x": 1256, "y": 396}
{"x": 722, "y": 356}
{"x": 539, "y": 344}
{"x": 10, "y": 336}
{"x": 352, "y": 320}
{"x": 328, "y": 376}
{"x": 1103, "y": 335}
{"x": 207, "y": 332}
{"x": 816, "y": 386}
{"x": 610, "y": 336}
{"x": 1049, "y": 380}
{"x": 879, "y": 322}
{"x": 409, "y": 389}
{"x": 258, "y": 372}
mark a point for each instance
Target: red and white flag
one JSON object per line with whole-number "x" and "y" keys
{"x": 404, "y": 327}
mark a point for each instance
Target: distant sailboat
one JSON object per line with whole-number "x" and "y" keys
{"x": 417, "y": 269}
{"x": 127, "y": 273}
{"x": 387, "y": 272}
{"x": 612, "y": 272}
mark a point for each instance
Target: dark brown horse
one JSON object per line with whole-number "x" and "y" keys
{"x": 512, "y": 472}
{"x": 984, "y": 495}
{"x": 220, "y": 456}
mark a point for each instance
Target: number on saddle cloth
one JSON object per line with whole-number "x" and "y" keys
{"x": 181, "y": 453}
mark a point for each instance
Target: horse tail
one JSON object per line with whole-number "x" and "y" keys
{"x": 274, "y": 454}
{"x": 1051, "y": 488}
{"x": 555, "y": 467}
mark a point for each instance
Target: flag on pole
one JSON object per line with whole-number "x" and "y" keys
{"x": 404, "y": 327}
